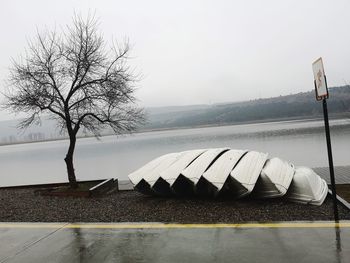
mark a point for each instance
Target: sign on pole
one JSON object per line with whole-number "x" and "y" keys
{"x": 321, "y": 90}
{"x": 320, "y": 80}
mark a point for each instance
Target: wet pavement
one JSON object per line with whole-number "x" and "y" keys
{"x": 275, "y": 242}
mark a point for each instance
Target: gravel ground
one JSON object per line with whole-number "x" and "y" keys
{"x": 21, "y": 205}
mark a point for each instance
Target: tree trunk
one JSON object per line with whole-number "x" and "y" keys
{"x": 69, "y": 162}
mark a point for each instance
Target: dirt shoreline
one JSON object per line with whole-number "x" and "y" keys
{"x": 22, "y": 205}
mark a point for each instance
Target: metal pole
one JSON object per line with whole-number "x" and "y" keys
{"x": 330, "y": 160}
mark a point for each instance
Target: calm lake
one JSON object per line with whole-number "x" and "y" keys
{"x": 300, "y": 142}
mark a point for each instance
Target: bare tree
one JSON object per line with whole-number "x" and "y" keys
{"x": 79, "y": 82}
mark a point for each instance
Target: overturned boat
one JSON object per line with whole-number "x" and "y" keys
{"x": 307, "y": 187}
{"x": 275, "y": 179}
{"x": 229, "y": 172}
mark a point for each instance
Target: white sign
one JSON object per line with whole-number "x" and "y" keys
{"x": 320, "y": 79}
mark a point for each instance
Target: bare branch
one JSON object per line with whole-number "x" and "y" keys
{"x": 76, "y": 80}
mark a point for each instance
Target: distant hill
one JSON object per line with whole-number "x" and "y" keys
{"x": 296, "y": 106}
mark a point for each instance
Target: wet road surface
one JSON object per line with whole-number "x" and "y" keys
{"x": 284, "y": 242}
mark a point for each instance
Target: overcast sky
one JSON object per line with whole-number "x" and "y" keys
{"x": 202, "y": 52}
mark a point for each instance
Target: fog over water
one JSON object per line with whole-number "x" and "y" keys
{"x": 300, "y": 142}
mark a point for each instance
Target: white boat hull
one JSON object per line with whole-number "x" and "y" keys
{"x": 307, "y": 187}
{"x": 237, "y": 173}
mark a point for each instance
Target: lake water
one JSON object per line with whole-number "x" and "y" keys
{"x": 300, "y": 142}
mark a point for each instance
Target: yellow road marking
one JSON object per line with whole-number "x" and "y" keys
{"x": 32, "y": 225}
{"x": 345, "y": 224}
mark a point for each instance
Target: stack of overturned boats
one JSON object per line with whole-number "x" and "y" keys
{"x": 224, "y": 171}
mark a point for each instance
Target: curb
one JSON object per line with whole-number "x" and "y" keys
{"x": 341, "y": 200}
{"x": 104, "y": 187}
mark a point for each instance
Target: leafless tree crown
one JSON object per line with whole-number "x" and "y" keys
{"x": 77, "y": 80}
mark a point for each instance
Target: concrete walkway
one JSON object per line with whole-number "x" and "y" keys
{"x": 274, "y": 242}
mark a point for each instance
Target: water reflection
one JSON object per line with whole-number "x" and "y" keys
{"x": 79, "y": 245}
{"x": 338, "y": 250}
{"x": 310, "y": 244}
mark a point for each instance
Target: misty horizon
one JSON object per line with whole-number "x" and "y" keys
{"x": 201, "y": 52}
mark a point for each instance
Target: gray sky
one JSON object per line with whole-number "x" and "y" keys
{"x": 200, "y": 52}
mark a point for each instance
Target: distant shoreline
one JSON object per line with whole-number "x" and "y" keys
{"x": 306, "y": 118}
